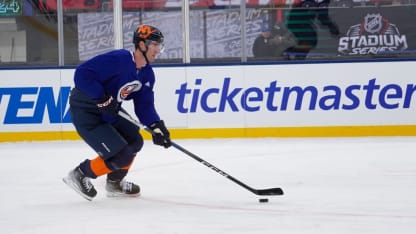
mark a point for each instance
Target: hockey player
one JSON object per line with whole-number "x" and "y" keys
{"x": 101, "y": 84}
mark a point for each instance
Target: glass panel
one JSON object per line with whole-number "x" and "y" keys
{"x": 338, "y": 29}
{"x": 95, "y": 28}
{"x": 28, "y": 34}
{"x": 300, "y": 29}
{"x": 87, "y": 29}
{"x": 271, "y": 35}
{"x": 165, "y": 15}
{"x": 215, "y": 31}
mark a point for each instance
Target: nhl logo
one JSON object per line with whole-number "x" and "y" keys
{"x": 373, "y": 23}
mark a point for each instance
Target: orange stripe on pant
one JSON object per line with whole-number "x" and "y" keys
{"x": 99, "y": 168}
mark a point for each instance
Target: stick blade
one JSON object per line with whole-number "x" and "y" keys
{"x": 269, "y": 192}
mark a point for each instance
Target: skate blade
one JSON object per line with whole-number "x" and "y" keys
{"x": 115, "y": 195}
{"x": 72, "y": 185}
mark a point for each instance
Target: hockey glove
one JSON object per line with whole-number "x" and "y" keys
{"x": 160, "y": 134}
{"x": 108, "y": 106}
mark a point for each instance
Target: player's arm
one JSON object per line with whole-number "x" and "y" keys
{"x": 145, "y": 111}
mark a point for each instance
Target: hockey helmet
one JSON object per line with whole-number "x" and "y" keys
{"x": 147, "y": 33}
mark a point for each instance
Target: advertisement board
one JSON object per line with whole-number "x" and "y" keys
{"x": 292, "y": 95}
{"x": 234, "y": 99}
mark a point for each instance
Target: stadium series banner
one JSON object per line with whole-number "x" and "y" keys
{"x": 375, "y": 31}
{"x": 364, "y": 31}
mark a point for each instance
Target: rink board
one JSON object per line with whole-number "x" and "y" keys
{"x": 296, "y": 100}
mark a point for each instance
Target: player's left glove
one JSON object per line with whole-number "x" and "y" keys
{"x": 108, "y": 106}
{"x": 160, "y": 134}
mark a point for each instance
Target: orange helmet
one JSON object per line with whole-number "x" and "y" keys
{"x": 147, "y": 33}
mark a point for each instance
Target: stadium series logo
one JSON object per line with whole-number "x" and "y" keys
{"x": 375, "y": 35}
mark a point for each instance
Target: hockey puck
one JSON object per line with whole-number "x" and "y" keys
{"x": 263, "y": 200}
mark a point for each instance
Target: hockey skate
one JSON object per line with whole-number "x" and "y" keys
{"x": 122, "y": 188}
{"x": 81, "y": 184}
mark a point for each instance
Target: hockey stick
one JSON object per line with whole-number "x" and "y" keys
{"x": 260, "y": 192}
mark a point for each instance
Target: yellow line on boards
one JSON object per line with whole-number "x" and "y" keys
{"x": 321, "y": 131}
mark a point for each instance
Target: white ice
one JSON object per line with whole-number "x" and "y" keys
{"x": 332, "y": 185}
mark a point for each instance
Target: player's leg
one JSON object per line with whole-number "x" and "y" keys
{"x": 85, "y": 117}
{"x": 116, "y": 184}
{"x": 121, "y": 137}
{"x": 101, "y": 136}
{"x": 107, "y": 142}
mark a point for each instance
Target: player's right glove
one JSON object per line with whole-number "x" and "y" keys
{"x": 108, "y": 106}
{"x": 160, "y": 134}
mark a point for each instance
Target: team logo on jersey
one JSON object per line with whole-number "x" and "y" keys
{"x": 127, "y": 89}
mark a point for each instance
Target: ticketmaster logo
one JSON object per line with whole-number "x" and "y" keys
{"x": 276, "y": 98}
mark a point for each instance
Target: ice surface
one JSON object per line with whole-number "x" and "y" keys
{"x": 332, "y": 185}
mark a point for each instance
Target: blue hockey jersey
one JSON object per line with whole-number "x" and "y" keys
{"x": 115, "y": 73}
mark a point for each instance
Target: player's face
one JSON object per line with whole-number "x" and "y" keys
{"x": 153, "y": 50}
